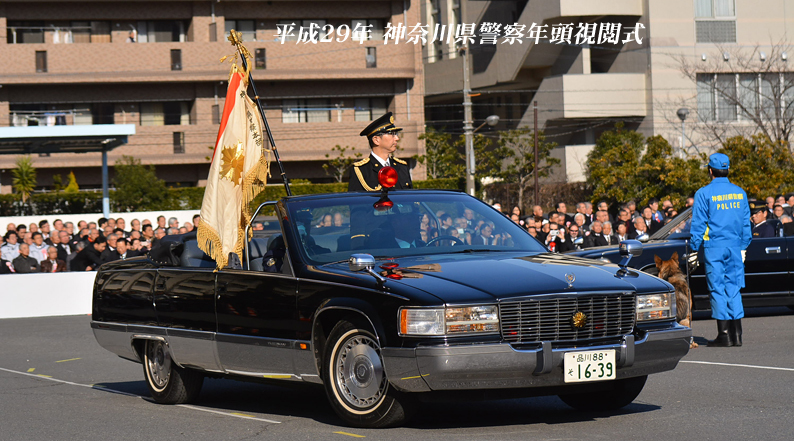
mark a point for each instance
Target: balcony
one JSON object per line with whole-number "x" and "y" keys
{"x": 603, "y": 95}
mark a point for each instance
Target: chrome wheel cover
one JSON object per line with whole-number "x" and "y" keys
{"x": 358, "y": 372}
{"x": 158, "y": 364}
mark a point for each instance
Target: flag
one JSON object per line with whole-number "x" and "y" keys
{"x": 239, "y": 170}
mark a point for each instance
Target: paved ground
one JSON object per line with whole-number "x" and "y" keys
{"x": 56, "y": 383}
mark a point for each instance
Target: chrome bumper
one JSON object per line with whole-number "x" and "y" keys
{"x": 499, "y": 366}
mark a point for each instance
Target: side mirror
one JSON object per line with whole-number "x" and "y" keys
{"x": 364, "y": 262}
{"x": 628, "y": 249}
{"x": 361, "y": 262}
{"x": 643, "y": 237}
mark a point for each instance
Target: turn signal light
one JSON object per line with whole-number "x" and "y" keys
{"x": 387, "y": 177}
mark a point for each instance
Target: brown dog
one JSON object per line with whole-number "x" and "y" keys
{"x": 670, "y": 271}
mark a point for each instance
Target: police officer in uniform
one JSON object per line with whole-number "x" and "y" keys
{"x": 721, "y": 225}
{"x": 761, "y": 228}
{"x": 382, "y": 136}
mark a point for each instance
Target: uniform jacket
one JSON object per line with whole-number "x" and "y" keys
{"x": 764, "y": 229}
{"x": 721, "y": 216}
{"x": 364, "y": 174}
{"x": 9, "y": 252}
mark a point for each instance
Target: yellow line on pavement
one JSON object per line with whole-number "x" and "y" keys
{"x": 45, "y": 376}
{"x": 31, "y": 369}
{"x": 351, "y": 434}
{"x": 71, "y": 359}
{"x": 242, "y": 414}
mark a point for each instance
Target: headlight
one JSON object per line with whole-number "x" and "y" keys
{"x": 449, "y": 321}
{"x": 655, "y": 306}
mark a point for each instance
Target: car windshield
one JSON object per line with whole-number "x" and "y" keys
{"x": 418, "y": 223}
{"x": 679, "y": 224}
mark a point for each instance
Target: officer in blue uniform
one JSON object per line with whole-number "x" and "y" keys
{"x": 721, "y": 225}
{"x": 761, "y": 226}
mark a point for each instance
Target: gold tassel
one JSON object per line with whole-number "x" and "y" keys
{"x": 210, "y": 243}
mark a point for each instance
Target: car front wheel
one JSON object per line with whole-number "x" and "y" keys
{"x": 167, "y": 382}
{"x": 621, "y": 394}
{"x": 356, "y": 382}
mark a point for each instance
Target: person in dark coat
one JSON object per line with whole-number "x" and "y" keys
{"x": 761, "y": 227}
{"x": 24, "y": 263}
{"x": 89, "y": 258}
{"x": 382, "y": 136}
{"x": 52, "y": 264}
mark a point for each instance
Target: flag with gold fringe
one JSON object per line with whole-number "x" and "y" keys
{"x": 239, "y": 171}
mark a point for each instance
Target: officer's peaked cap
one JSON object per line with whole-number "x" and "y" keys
{"x": 719, "y": 161}
{"x": 384, "y": 124}
{"x": 756, "y": 206}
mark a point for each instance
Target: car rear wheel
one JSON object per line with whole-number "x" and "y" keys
{"x": 167, "y": 382}
{"x": 356, "y": 382}
{"x": 621, "y": 394}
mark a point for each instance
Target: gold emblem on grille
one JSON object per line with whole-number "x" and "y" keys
{"x": 579, "y": 319}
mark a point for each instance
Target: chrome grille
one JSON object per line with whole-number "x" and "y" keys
{"x": 550, "y": 318}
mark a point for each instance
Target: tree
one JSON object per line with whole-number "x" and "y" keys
{"x": 440, "y": 156}
{"x": 520, "y": 143}
{"x": 72, "y": 186}
{"x": 137, "y": 186}
{"x": 752, "y": 85}
{"x": 612, "y": 165}
{"x": 339, "y": 165}
{"x": 759, "y": 165}
{"x": 24, "y": 177}
{"x": 488, "y": 157}
{"x": 665, "y": 176}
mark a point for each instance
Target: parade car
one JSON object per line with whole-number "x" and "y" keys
{"x": 767, "y": 264}
{"x": 380, "y": 318}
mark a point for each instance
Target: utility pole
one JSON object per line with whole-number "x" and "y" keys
{"x": 468, "y": 123}
{"x": 535, "y": 170}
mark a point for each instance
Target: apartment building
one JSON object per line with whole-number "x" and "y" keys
{"x": 584, "y": 89}
{"x": 156, "y": 64}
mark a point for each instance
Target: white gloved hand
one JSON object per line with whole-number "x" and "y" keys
{"x": 744, "y": 255}
{"x": 693, "y": 259}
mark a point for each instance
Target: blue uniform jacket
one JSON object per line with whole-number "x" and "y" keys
{"x": 721, "y": 216}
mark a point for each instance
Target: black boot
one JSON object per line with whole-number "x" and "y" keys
{"x": 735, "y": 332}
{"x": 722, "y": 340}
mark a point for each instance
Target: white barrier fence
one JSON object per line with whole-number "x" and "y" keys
{"x": 43, "y": 295}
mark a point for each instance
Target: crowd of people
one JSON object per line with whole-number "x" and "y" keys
{"x": 64, "y": 246}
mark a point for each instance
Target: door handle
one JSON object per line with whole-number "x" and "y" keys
{"x": 772, "y": 250}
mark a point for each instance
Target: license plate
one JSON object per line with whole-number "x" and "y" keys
{"x": 589, "y": 366}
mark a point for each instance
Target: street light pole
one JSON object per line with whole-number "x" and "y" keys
{"x": 682, "y": 114}
{"x": 468, "y": 128}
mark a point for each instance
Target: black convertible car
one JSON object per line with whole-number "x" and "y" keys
{"x": 378, "y": 317}
{"x": 767, "y": 265}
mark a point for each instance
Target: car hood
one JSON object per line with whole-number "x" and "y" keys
{"x": 614, "y": 249}
{"x": 486, "y": 276}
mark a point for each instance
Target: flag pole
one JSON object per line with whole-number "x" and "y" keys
{"x": 234, "y": 37}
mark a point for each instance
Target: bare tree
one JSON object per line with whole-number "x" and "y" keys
{"x": 743, "y": 91}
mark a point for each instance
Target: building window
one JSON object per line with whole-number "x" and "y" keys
{"x": 41, "y": 61}
{"x": 367, "y": 109}
{"x": 372, "y": 59}
{"x": 102, "y": 113}
{"x": 374, "y": 26}
{"x": 176, "y": 59}
{"x": 715, "y": 21}
{"x": 216, "y": 114}
{"x": 19, "y": 32}
{"x": 246, "y": 27}
{"x": 300, "y": 111}
{"x": 179, "y": 142}
{"x": 260, "y": 61}
{"x": 159, "y": 31}
{"x": 745, "y": 96}
{"x": 165, "y": 114}
{"x": 213, "y": 32}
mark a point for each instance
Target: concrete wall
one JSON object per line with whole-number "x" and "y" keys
{"x": 42, "y": 295}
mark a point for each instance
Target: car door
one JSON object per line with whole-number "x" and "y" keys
{"x": 184, "y": 299}
{"x": 257, "y": 322}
